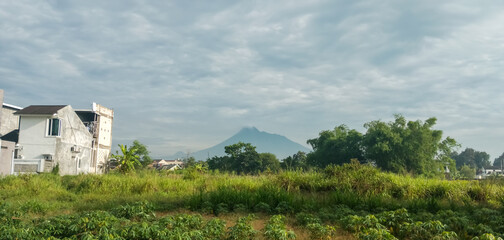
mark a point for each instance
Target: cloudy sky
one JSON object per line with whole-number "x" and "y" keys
{"x": 186, "y": 75}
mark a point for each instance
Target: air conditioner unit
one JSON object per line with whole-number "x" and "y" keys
{"x": 47, "y": 157}
{"x": 76, "y": 149}
{"x": 20, "y": 157}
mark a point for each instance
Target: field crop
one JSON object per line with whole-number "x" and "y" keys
{"x": 339, "y": 202}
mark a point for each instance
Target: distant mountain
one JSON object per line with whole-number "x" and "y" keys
{"x": 279, "y": 145}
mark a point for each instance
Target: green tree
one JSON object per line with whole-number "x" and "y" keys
{"x": 295, "y": 161}
{"x": 335, "y": 147}
{"x": 269, "y": 162}
{"x": 467, "y": 172}
{"x": 474, "y": 159}
{"x": 143, "y": 153}
{"x": 189, "y": 161}
{"x": 129, "y": 158}
{"x": 241, "y": 158}
{"x": 411, "y": 146}
{"x": 499, "y": 162}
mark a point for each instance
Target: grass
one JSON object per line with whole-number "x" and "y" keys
{"x": 329, "y": 195}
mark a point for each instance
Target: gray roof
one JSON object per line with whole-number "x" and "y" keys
{"x": 40, "y": 109}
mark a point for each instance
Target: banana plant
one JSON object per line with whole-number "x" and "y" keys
{"x": 128, "y": 159}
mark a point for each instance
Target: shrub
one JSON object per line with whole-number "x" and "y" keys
{"x": 275, "y": 229}
{"x": 242, "y": 229}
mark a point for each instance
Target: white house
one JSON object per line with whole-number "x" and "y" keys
{"x": 57, "y": 135}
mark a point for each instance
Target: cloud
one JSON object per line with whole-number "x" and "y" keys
{"x": 184, "y": 76}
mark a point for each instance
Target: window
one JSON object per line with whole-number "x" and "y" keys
{"x": 54, "y": 127}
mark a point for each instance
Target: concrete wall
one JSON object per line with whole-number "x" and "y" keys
{"x": 9, "y": 121}
{"x": 104, "y": 136}
{"x": 1, "y": 104}
{"x": 74, "y": 133}
{"x": 33, "y": 139}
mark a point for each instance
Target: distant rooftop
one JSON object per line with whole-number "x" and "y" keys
{"x": 40, "y": 109}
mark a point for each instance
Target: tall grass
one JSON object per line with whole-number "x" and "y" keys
{"x": 357, "y": 186}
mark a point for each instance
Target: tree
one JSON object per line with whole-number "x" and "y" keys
{"x": 335, "y": 147}
{"x": 269, "y": 162}
{"x": 189, "y": 161}
{"x": 407, "y": 146}
{"x": 143, "y": 153}
{"x": 295, "y": 161}
{"x": 467, "y": 172}
{"x": 128, "y": 159}
{"x": 241, "y": 158}
{"x": 499, "y": 162}
{"x": 474, "y": 159}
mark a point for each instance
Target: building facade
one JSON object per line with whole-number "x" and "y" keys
{"x": 75, "y": 141}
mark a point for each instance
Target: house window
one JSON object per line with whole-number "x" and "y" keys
{"x": 54, "y": 127}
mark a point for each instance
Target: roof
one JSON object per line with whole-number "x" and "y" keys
{"x": 40, "y": 109}
{"x": 12, "y": 136}
{"x": 6, "y": 105}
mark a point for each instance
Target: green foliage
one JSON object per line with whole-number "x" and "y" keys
{"x": 402, "y": 146}
{"x": 139, "y": 210}
{"x": 242, "y": 158}
{"x": 335, "y": 147}
{"x": 466, "y": 172}
{"x": 242, "y": 229}
{"x": 294, "y": 162}
{"x": 474, "y": 159}
{"x": 275, "y": 229}
{"x": 128, "y": 160}
{"x": 142, "y": 152}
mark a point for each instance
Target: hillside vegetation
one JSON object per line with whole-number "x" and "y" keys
{"x": 351, "y": 198}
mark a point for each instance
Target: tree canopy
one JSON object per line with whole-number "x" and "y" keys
{"x": 472, "y": 158}
{"x": 335, "y": 147}
{"x": 411, "y": 146}
{"x": 143, "y": 153}
{"x": 243, "y": 158}
{"x": 397, "y": 146}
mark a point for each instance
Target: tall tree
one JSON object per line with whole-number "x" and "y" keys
{"x": 472, "y": 158}
{"x": 269, "y": 162}
{"x": 295, "y": 161}
{"x": 411, "y": 146}
{"x": 143, "y": 153}
{"x": 335, "y": 147}
{"x": 499, "y": 162}
{"x": 241, "y": 158}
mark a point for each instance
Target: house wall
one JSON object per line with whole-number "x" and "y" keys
{"x": 1, "y": 103}
{"x": 104, "y": 136}
{"x": 9, "y": 121}
{"x": 74, "y": 133}
{"x": 6, "y": 157}
{"x": 35, "y": 143}
{"x": 32, "y": 137}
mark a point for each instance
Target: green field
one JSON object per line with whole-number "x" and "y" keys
{"x": 352, "y": 201}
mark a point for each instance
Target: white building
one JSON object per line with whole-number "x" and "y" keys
{"x": 57, "y": 135}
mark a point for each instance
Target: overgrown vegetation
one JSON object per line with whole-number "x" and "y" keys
{"x": 351, "y": 198}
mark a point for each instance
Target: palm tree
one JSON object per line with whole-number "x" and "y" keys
{"x": 128, "y": 159}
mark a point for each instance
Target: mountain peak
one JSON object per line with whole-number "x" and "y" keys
{"x": 249, "y": 129}
{"x": 264, "y": 141}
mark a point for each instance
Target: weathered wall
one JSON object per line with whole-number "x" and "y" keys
{"x": 1, "y": 104}
{"x": 104, "y": 136}
{"x": 9, "y": 121}
{"x": 74, "y": 133}
{"x": 6, "y": 157}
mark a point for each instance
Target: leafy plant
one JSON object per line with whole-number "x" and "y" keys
{"x": 275, "y": 229}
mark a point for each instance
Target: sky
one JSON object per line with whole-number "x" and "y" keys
{"x": 186, "y": 75}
